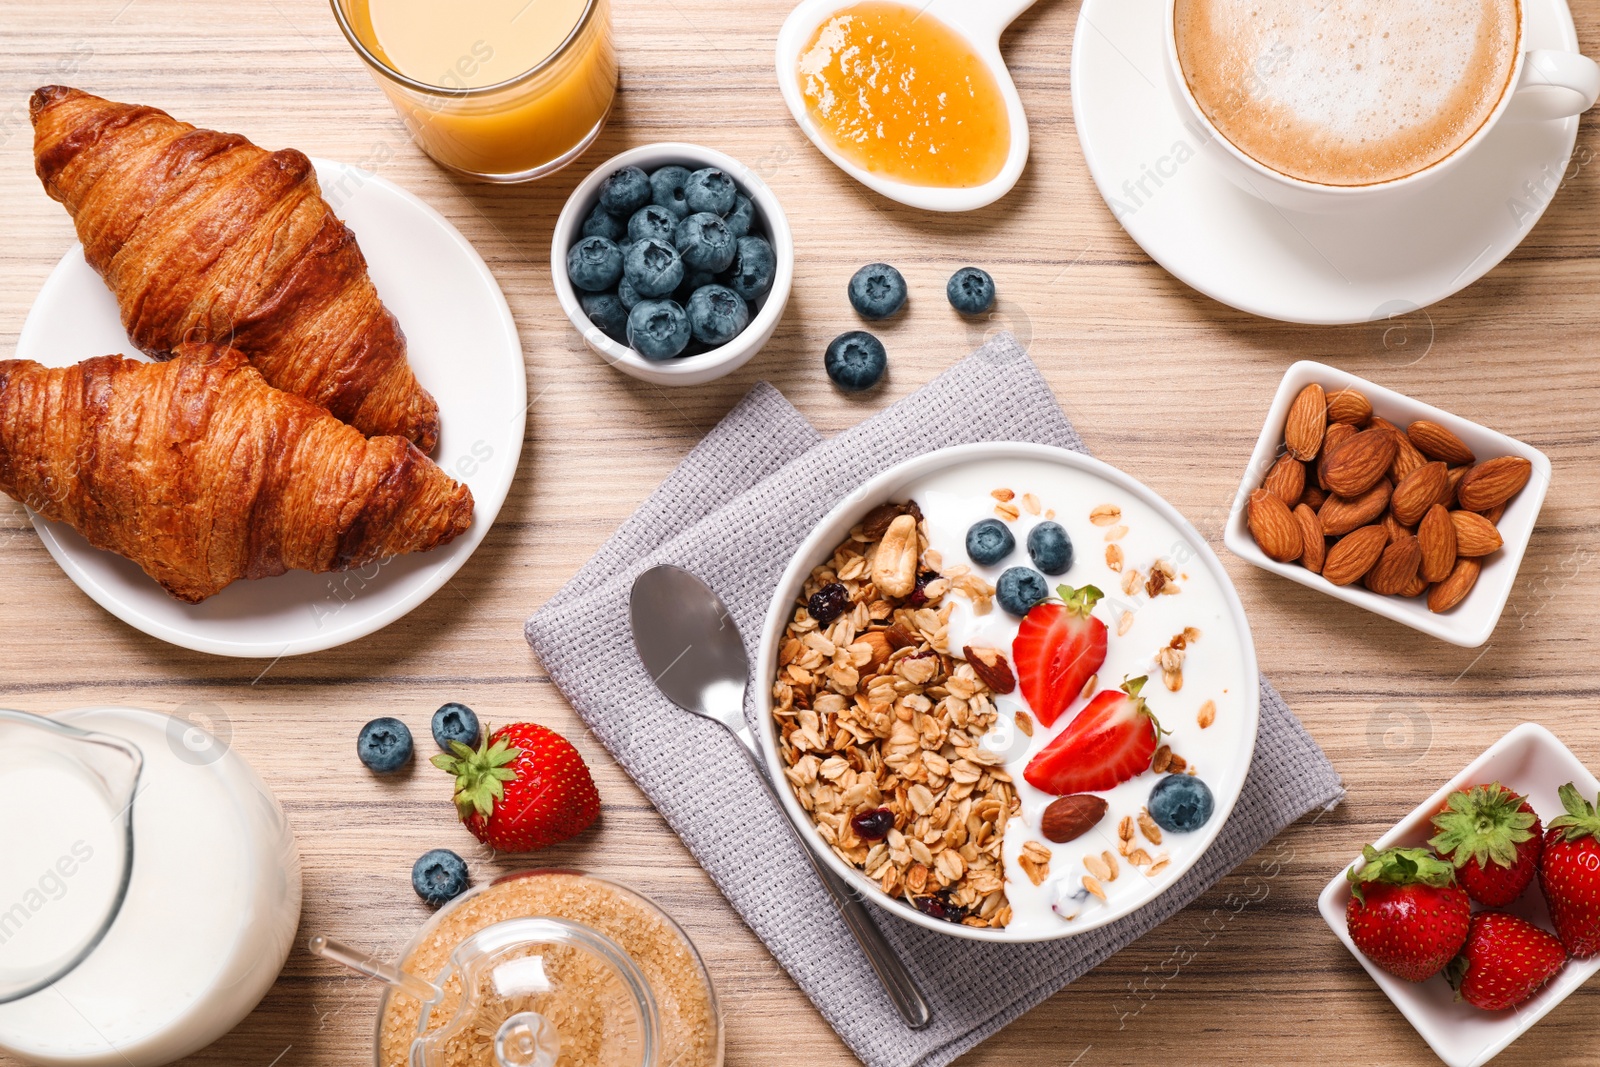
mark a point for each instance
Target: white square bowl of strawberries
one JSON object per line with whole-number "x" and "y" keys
{"x": 1460, "y": 904}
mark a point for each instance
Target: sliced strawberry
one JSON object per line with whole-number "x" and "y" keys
{"x": 1107, "y": 743}
{"x": 1493, "y": 837}
{"x": 1058, "y": 648}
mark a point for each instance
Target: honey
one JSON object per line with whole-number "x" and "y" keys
{"x": 902, "y": 95}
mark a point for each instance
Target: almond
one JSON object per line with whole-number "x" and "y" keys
{"x": 1494, "y": 514}
{"x": 901, "y": 636}
{"x": 1396, "y": 568}
{"x": 1354, "y": 555}
{"x": 1454, "y": 589}
{"x": 1406, "y": 457}
{"x": 894, "y": 564}
{"x": 1493, "y": 482}
{"x": 1307, "y": 421}
{"x": 1070, "y": 817}
{"x": 1475, "y": 535}
{"x": 1437, "y": 536}
{"x": 1313, "y": 549}
{"x": 1417, "y": 587}
{"x": 1313, "y": 497}
{"x": 1436, "y": 442}
{"x": 881, "y": 649}
{"x": 1340, "y": 515}
{"x": 1421, "y": 490}
{"x": 1349, "y": 406}
{"x": 989, "y": 665}
{"x": 1356, "y": 465}
{"x": 1395, "y": 529}
{"x": 1454, "y": 478}
{"x": 1286, "y": 479}
{"x": 1273, "y": 526}
{"x": 1337, "y": 434}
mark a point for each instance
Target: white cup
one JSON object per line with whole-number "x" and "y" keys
{"x": 1545, "y": 84}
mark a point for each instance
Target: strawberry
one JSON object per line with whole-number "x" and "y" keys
{"x": 1493, "y": 837}
{"x": 1406, "y": 913}
{"x": 1058, "y": 648}
{"x": 1570, "y": 874}
{"x": 523, "y": 788}
{"x": 1505, "y": 961}
{"x": 1108, "y": 742}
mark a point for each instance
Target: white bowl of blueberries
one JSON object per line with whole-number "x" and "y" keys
{"x": 674, "y": 262}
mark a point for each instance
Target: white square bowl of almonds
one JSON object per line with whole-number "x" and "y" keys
{"x": 909, "y": 713}
{"x": 1388, "y": 503}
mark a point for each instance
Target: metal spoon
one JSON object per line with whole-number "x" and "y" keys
{"x": 691, "y": 647}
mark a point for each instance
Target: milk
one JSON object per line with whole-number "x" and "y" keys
{"x": 212, "y": 905}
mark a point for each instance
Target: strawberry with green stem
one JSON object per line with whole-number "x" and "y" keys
{"x": 1493, "y": 837}
{"x": 1059, "y": 646}
{"x": 1569, "y": 874}
{"x": 1406, "y": 913}
{"x": 1505, "y": 961}
{"x": 1107, "y": 743}
{"x": 524, "y": 788}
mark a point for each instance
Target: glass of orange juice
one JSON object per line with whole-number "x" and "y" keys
{"x": 503, "y": 90}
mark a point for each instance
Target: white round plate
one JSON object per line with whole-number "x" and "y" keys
{"x": 1320, "y": 269}
{"x": 464, "y": 348}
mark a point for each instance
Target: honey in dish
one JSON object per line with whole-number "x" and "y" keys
{"x": 901, "y": 95}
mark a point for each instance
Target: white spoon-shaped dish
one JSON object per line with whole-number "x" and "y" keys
{"x": 981, "y": 25}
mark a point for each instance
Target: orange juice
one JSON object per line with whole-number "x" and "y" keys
{"x": 900, "y": 94}
{"x": 500, "y": 89}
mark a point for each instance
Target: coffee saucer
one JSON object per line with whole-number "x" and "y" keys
{"x": 1320, "y": 269}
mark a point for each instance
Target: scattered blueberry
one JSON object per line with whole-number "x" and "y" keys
{"x": 873, "y": 825}
{"x": 653, "y": 267}
{"x": 658, "y": 329}
{"x": 625, "y": 191}
{"x": 828, "y": 603}
{"x": 455, "y": 722}
{"x": 667, "y": 189}
{"x": 989, "y": 541}
{"x": 1181, "y": 803}
{"x": 602, "y": 223}
{"x": 439, "y": 876}
{"x": 971, "y": 291}
{"x": 627, "y": 293}
{"x": 594, "y": 264}
{"x": 705, "y": 242}
{"x": 384, "y": 745}
{"x": 877, "y": 291}
{"x": 717, "y": 314}
{"x": 856, "y": 361}
{"x": 1019, "y": 589}
{"x": 742, "y": 218}
{"x": 753, "y": 268}
{"x": 710, "y": 189}
{"x": 607, "y": 311}
{"x": 1050, "y": 548}
{"x": 652, "y": 220}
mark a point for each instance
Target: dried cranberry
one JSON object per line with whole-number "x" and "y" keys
{"x": 873, "y": 825}
{"x": 939, "y": 907}
{"x": 828, "y": 603}
{"x": 919, "y": 592}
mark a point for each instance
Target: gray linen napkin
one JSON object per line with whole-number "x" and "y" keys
{"x": 733, "y": 513}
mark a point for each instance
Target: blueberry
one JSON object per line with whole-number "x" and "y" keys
{"x": 856, "y": 361}
{"x": 705, "y": 242}
{"x": 455, "y": 722}
{"x": 971, "y": 291}
{"x": 625, "y": 191}
{"x": 1019, "y": 589}
{"x": 384, "y": 745}
{"x": 717, "y": 314}
{"x": 594, "y": 264}
{"x": 653, "y": 267}
{"x": 877, "y": 291}
{"x": 1181, "y": 803}
{"x": 652, "y": 220}
{"x": 753, "y": 268}
{"x": 602, "y": 223}
{"x": 658, "y": 329}
{"x": 692, "y": 280}
{"x": 989, "y": 541}
{"x": 439, "y": 876}
{"x": 667, "y": 188}
{"x": 710, "y": 189}
{"x": 742, "y": 218}
{"x": 1050, "y": 548}
{"x": 608, "y": 312}
{"x": 627, "y": 293}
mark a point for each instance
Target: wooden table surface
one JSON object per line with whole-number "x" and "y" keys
{"x": 1160, "y": 381}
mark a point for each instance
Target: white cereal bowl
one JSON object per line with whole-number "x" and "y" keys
{"x": 1534, "y": 762}
{"x": 685, "y": 370}
{"x": 1470, "y": 622}
{"x": 835, "y": 527}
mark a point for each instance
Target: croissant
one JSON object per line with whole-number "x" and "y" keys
{"x": 202, "y": 473}
{"x": 204, "y": 237}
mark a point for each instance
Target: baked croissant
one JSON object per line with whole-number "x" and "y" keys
{"x": 204, "y": 237}
{"x": 202, "y": 473}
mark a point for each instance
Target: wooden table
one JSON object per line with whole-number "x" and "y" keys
{"x": 1161, "y": 381}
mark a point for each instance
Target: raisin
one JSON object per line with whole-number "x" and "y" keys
{"x": 828, "y": 603}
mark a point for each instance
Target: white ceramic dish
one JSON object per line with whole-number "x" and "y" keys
{"x": 1469, "y": 623}
{"x": 686, "y": 370}
{"x": 1323, "y": 269}
{"x": 1531, "y": 760}
{"x": 463, "y": 345}
{"x": 1226, "y": 781}
{"x": 981, "y": 25}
